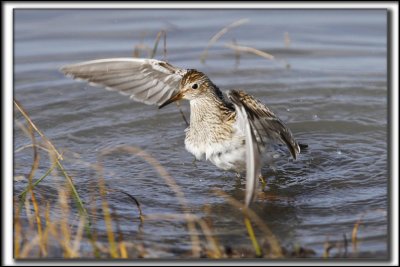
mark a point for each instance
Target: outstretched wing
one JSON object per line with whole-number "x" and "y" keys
{"x": 148, "y": 81}
{"x": 260, "y": 125}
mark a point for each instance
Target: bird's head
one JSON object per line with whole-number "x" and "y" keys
{"x": 194, "y": 85}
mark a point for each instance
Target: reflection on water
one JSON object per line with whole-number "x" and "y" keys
{"x": 333, "y": 97}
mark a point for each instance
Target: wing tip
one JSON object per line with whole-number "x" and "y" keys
{"x": 300, "y": 147}
{"x": 296, "y": 150}
{"x": 67, "y": 71}
{"x": 63, "y": 69}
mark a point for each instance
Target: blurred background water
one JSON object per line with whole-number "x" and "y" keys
{"x": 332, "y": 94}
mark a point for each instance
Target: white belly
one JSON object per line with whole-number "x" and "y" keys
{"x": 226, "y": 155}
{"x": 230, "y": 159}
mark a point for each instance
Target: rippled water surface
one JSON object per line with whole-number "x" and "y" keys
{"x": 329, "y": 84}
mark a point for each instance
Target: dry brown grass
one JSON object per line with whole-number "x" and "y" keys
{"x": 219, "y": 34}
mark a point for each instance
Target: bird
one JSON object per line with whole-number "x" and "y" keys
{"x": 231, "y": 130}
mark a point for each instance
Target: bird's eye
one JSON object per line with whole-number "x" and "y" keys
{"x": 195, "y": 86}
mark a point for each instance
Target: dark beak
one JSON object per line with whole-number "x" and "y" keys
{"x": 172, "y": 99}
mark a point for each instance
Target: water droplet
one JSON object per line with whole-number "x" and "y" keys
{"x": 339, "y": 152}
{"x": 315, "y": 117}
{"x": 288, "y": 109}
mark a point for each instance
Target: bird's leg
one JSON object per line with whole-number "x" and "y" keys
{"x": 238, "y": 179}
{"x": 194, "y": 162}
{"x": 263, "y": 181}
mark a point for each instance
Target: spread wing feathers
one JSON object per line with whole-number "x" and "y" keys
{"x": 253, "y": 157}
{"x": 265, "y": 124}
{"x": 148, "y": 81}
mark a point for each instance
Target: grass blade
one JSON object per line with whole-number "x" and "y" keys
{"x": 219, "y": 34}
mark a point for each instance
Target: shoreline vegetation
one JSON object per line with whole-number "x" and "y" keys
{"x": 37, "y": 235}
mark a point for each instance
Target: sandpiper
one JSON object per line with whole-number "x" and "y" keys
{"x": 232, "y": 131}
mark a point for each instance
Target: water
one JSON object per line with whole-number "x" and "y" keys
{"x": 333, "y": 96}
